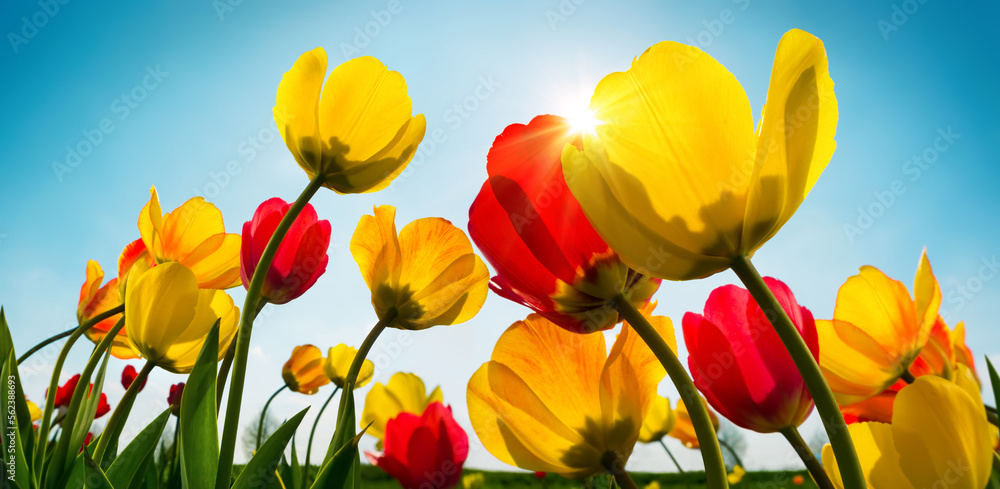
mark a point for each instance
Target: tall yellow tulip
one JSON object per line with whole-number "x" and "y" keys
{"x": 877, "y": 331}
{"x": 195, "y": 236}
{"x": 427, "y": 275}
{"x": 168, "y": 317}
{"x": 554, "y": 401}
{"x": 338, "y": 363}
{"x": 676, "y": 179}
{"x": 359, "y": 135}
{"x": 939, "y": 437}
{"x": 405, "y": 393}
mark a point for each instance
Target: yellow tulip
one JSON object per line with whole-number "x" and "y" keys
{"x": 659, "y": 421}
{"x": 304, "y": 370}
{"x": 939, "y": 437}
{"x": 338, "y": 363}
{"x": 168, "y": 317}
{"x": 877, "y": 331}
{"x": 359, "y": 135}
{"x": 473, "y": 481}
{"x": 194, "y": 236}
{"x": 676, "y": 179}
{"x": 36, "y": 414}
{"x": 736, "y": 475}
{"x": 96, "y": 299}
{"x": 555, "y": 401}
{"x": 427, "y": 275}
{"x": 684, "y": 430}
{"x": 405, "y": 393}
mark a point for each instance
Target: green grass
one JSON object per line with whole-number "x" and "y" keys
{"x": 374, "y": 478}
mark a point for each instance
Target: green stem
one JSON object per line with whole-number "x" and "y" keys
{"x": 808, "y": 457}
{"x": 366, "y": 346}
{"x": 908, "y": 377}
{"x": 736, "y": 456}
{"x": 263, "y": 415}
{"x": 826, "y": 404}
{"x": 715, "y": 469}
{"x": 227, "y": 362}
{"x": 671, "y": 455}
{"x": 121, "y": 411}
{"x": 996, "y": 462}
{"x": 616, "y": 467}
{"x": 232, "y": 425}
{"x": 69, "y": 332}
{"x": 305, "y": 476}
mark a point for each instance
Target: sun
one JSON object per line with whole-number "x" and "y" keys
{"x": 583, "y": 121}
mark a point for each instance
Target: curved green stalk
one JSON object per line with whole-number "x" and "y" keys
{"x": 715, "y": 469}
{"x": 808, "y": 457}
{"x": 671, "y": 455}
{"x": 232, "y": 425}
{"x": 69, "y": 332}
{"x": 305, "y": 475}
{"x": 121, "y": 411}
{"x": 263, "y": 415}
{"x": 826, "y": 404}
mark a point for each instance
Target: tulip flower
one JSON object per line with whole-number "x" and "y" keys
{"x": 427, "y": 275}
{"x": 798, "y": 480}
{"x": 338, "y": 363}
{"x": 356, "y": 132}
{"x": 86, "y": 441}
{"x": 194, "y": 236}
{"x": 134, "y": 253}
{"x": 96, "y": 299}
{"x": 736, "y": 476}
{"x": 64, "y": 395}
{"x": 741, "y": 366}
{"x": 659, "y": 421}
{"x": 877, "y": 331}
{"x": 168, "y": 317}
{"x": 405, "y": 393}
{"x": 426, "y": 450}
{"x": 678, "y": 179}
{"x": 531, "y": 229}
{"x": 33, "y": 410}
{"x": 473, "y": 481}
{"x": 128, "y": 376}
{"x": 683, "y": 429}
{"x": 174, "y": 398}
{"x": 303, "y": 372}
{"x": 555, "y": 401}
{"x": 301, "y": 257}
{"x": 939, "y": 432}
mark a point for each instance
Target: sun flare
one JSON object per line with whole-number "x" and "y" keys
{"x": 583, "y": 121}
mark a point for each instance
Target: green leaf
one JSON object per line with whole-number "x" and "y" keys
{"x": 260, "y": 470}
{"x": 127, "y": 465}
{"x": 295, "y": 470}
{"x": 199, "y": 435}
{"x": 10, "y": 424}
{"x": 994, "y": 381}
{"x": 338, "y": 472}
{"x": 95, "y": 476}
{"x": 79, "y": 416}
{"x": 346, "y": 421}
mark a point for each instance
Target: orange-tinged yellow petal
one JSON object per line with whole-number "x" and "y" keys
{"x": 375, "y": 248}
{"x": 877, "y": 453}
{"x": 940, "y": 431}
{"x": 96, "y": 299}
{"x": 338, "y": 364}
{"x": 963, "y": 354}
{"x": 659, "y": 421}
{"x": 795, "y": 140}
{"x": 684, "y": 429}
{"x": 304, "y": 371}
{"x": 855, "y": 365}
{"x": 926, "y": 297}
{"x": 296, "y": 109}
{"x": 405, "y": 393}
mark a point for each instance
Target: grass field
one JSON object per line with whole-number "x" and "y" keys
{"x": 374, "y": 478}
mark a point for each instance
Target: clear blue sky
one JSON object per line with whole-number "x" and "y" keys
{"x": 181, "y": 94}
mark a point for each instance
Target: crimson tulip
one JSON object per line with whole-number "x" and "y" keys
{"x": 174, "y": 398}
{"x": 424, "y": 451}
{"x": 740, "y": 364}
{"x": 532, "y": 230}
{"x": 64, "y": 394}
{"x": 128, "y": 376}
{"x": 301, "y": 258}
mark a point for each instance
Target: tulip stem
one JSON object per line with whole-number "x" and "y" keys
{"x": 69, "y": 332}
{"x": 121, "y": 412}
{"x": 908, "y": 377}
{"x": 366, "y": 346}
{"x": 305, "y": 476}
{"x": 715, "y": 469}
{"x": 232, "y": 425}
{"x": 263, "y": 415}
{"x": 616, "y": 467}
{"x": 826, "y": 404}
{"x": 808, "y": 457}
{"x": 671, "y": 455}
{"x": 220, "y": 381}
{"x": 736, "y": 456}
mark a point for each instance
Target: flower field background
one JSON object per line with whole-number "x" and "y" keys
{"x": 723, "y": 244}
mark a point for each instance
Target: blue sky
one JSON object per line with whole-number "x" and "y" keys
{"x": 179, "y": 95}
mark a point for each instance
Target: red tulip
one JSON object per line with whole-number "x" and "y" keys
{"x": 301, "y": 257}
{"x": 741, "y": 366}
{"x": 64, "y": 394}
{"x": 86, "y": 441}
{"x": 128, "y": 376}
{"x": 174, "y": 398}
{"x": 424, "y": 451}
{"x": 532, "y": 230}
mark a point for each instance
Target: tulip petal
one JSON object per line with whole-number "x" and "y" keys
{"x": 296, "y": 108}
{"x": 375, "y": 248}
{"x": 926, "y": 297}
{"x": 405, "y": 393}
{"x": 877, "y": 453}
{"x": 795, "y": 142}
{"x": 159, "y": 305}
